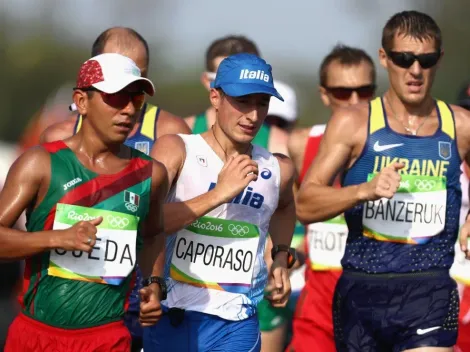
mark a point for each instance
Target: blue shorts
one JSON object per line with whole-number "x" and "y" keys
{"x": 131, "y": 318}
{"x": 396, "y": 312}
{"x": 189, "y": 331}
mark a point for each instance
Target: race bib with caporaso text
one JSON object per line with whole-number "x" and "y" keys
{"x": 216, "y": 253}
{"x": 114, "y": 255}
{"x": 326, "y": 243}
{"x": 413, "y": 215}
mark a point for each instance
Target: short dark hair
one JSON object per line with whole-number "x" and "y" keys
{"x": 415, "y": 24}
{"x": 346, "y": 55}
{"x": 229, "y": 45}
{"x": 103, "y": 38}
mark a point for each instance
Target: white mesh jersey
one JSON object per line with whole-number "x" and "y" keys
{"x": 216, "y": 265}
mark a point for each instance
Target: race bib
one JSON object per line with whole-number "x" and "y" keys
{"x": 416, "y": 212}
{"x": 114, "y": 255}
{"x": 216, "y": 253}
{"x": 326, "y": 243}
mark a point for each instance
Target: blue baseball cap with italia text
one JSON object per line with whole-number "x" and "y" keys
{"x": 243, "y": 74}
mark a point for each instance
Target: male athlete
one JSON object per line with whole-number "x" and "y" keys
{"x": 270, "y": 137}
{"x": 347, "y": 77}
{"x": 401, "y": 197}
{"x": 460, "y": 270}
{"x": 151, "y": 124}
{"x": 90, "y": 202}
{"x": 220, "y": 212}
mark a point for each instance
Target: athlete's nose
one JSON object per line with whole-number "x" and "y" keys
{"x": 354, "y": 99}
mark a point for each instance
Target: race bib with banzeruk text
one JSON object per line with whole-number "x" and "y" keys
{"x": 216, "y": 253}
{"x": 413, "y": 215}
{"x": 114, "y": 255}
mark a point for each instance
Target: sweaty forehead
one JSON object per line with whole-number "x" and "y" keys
{"x": 339, "y": 75}
{"x": 403, "y": 42}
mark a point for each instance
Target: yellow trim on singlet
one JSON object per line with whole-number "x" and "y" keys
{"x": 447, "y": 121}
{"x": 376, "y": 118}
{"x": 79, "y": 123}
{"x": 148, "y": 122}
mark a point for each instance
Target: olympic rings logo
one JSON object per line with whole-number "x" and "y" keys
{"x": 425, "y": 185}
{"x": 238, "y": 230}
{"x": 131, "y": 207}
{"x": 117, "y": 221}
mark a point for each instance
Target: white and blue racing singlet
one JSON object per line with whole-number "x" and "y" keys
{"x": 216, "y": 264}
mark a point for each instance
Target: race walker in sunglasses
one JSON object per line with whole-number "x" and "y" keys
{"x": 227, "y": 194}
{"x": 152, "y": 123}
{"x": 400, "y": 158}
{"x": 94, "y": 208}
{"x": 347, "y": 77}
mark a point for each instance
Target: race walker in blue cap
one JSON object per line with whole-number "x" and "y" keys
{"x": 226, "y": 195}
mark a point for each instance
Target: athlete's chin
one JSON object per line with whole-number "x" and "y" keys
{"x": 413, "y": 98}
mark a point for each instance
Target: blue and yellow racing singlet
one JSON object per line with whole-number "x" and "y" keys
{"x": 415, "y": 230}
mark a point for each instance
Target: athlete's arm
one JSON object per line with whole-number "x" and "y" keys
{"x": 152, "y": 255}
{"x": 296, "y": 147}
{"x": 152, "y": 228}
{"x": 58, "y": 131}
{"x": 236, "y": 174}
{"x": 26, "y": 184}
{"x": 168, "y": 123}
{"x": 281, "y": 229}
{"x": 317, "y": 200}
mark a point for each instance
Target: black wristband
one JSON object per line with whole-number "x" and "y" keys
{"x": 157, "y": 280}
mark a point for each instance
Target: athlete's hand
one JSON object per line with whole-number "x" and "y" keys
{"x": 464, "y": 234}
{"x": 278, "y": 288}
{"x": 79, "y": 237}
{"x": 384, "y": 185}
{"x": 235, "y": 176}
{"x": 150, "y": 307}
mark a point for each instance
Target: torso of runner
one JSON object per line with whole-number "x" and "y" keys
{"x": 142, "y": 140}
{"x": 72, "y": 289}
{"x": 326, "y": 240}
{"x": 416, "y": 230}
{"x": 261, "y": 138}
{"x": 216, "y": 265}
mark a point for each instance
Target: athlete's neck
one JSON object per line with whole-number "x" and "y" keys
{"x": 210, "y": 116}
{"x": 224, "y": 146}
{"x": 406, "y": 111}
{"x": 93, "y": 148}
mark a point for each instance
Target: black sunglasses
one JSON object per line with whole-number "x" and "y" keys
{"x": 406, "y": 59}
{"x": 344, "y": 93}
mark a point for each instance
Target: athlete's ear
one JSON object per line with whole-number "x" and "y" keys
{"x": 383, "y": 58}
{"x": 324, "y": 96}
{"x": 215, "y": 97}
{"x": 80, "y": 98}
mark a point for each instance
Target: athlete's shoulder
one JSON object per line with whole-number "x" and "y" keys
{"x": 34, "y": 160}
{"x": 175, "y": 143}
{"x": 169, "y": 123}
{"x": 353, "y": 115}
{"x": 298, "y": 140}
{"x": 286, "y": 165}
{"x": 60, "y": 130}
{"x": 462, "y": 125}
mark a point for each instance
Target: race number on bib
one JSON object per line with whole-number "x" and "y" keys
{"x": 326, "y": 243}
{"x": 216, "y": 253}
{"x": 114, "y": 254}
{"x": 416, "y": 212}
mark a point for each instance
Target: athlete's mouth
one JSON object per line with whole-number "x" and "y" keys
{"x": 249, "y": 129}
{"x": 414, "y": 86}
{"x": 123, "y": 125}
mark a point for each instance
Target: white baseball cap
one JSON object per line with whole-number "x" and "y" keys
{"x": 111, "y": 73}
{"x": 288, "y": 109}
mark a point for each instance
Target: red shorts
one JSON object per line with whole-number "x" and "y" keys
{"x": 313, "y": 323}
{"x": 29, "y": 335}
{"x": 463, "y": 341}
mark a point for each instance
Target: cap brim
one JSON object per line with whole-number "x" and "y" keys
{"x": 114, "y": 86}
{"x": 240, "y": 89}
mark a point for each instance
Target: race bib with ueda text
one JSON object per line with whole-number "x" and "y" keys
{"x": 114, "y": 255}
{"x": 413, "y": 215}
{"x": 216, "y": 253}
